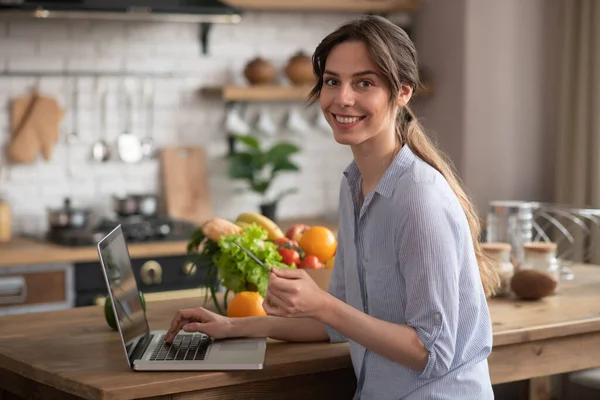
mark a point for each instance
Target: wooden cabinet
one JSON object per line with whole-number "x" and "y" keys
{"x": 36, "y": 288}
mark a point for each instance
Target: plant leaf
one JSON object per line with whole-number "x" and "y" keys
{"x": 284, "y": 165}
{"x": 240, "y": 166}
{"x": 261, "y": 186}
{"x": 281, "y": 151}
{"x": 249, "y": 141}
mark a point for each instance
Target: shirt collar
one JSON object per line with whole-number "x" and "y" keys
{"x": 387, "y": 183}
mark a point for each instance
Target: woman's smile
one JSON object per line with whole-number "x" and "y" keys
{"x": 345, "y": 122}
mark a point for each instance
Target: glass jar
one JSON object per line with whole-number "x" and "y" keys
{"x": 542, "y": 256}
{"x": 511, "y": 222}
{"x": 500, "y": 254}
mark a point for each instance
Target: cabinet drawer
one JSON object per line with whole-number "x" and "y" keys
{"x": 36, "y": 288}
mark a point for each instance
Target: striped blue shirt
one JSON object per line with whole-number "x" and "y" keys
{"x": 405, "y": 255}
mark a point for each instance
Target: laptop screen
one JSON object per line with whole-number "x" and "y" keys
{"x": 116, "y": 262}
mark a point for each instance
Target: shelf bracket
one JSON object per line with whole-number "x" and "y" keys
{"x": 204, "y": 30}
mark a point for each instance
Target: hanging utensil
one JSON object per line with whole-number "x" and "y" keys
{"x": 128, "y": 145}
{"x": 72, "y": 136}
{"x": 148, "y": 142}
{"x": 100, "y": 149}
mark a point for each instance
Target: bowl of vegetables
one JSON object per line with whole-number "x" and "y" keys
{"x": 227, "y": 266}
{"x": 229, "y": 269}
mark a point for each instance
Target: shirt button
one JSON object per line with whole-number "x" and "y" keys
{"x": 437, "y": 317}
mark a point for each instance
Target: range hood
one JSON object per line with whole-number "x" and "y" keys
{"x": 194, "y": 11}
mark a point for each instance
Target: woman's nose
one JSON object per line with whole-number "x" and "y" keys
{"x": 345, "y": 96}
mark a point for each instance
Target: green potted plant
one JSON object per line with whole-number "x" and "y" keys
{"x": 260, "y": 167}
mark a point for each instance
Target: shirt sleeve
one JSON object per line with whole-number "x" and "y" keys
{"x": 428, "y": 245}
{"x": 337, "y": 288}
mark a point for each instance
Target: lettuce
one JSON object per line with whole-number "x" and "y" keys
{"x": 236, "y": 270}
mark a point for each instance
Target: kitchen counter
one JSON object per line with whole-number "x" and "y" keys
{"x": 73, "y": 354}
{"x": 29, "y": 251}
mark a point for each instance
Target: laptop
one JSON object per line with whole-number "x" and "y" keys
{"x": 146, "y": 350}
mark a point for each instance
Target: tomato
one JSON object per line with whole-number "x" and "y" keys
{"x": 289, "y": 256}
{"x": 294, "y": 246}
{"x": 281, "y": 241}
{"x": 311, "y": 262}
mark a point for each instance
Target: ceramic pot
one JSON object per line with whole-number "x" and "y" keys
{"x": 259, "y": 72}
{"x": 269, "y": 210}
{"x": 299, "y": 70}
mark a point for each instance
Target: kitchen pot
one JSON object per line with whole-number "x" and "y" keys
{"x": 136, "y": 204}
{"x": 68, "y": 217}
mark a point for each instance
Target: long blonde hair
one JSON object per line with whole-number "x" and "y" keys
{"x": 395, "y": 55}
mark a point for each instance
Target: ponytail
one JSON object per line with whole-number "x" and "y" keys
{"x": 412, "y": 134}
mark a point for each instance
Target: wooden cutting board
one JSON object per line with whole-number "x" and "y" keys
{"x": 35, "y": 123}
{"x": 185, "y": 183}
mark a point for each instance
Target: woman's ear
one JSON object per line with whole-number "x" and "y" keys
{"x": 404, "y": 95}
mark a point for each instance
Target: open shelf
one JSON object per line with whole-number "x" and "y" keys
{"x": 259, "y": 93}
{"x": 271, "y": 93}
{"x": 367, "y": 6}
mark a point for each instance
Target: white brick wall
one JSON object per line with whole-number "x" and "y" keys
{"x": 182, "y": 116}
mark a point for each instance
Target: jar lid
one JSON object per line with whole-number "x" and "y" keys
{"x": 510, "y": 207}
{"x": 540, "y": 247}
{"x": 496, "y": 247}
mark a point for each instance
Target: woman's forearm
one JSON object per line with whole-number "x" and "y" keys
{"x": 286, "y": 329}
{"x": 399, "y": 343}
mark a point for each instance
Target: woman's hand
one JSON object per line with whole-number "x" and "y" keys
{"x": 200, "y": 319}
{"x": 293, "y": 293}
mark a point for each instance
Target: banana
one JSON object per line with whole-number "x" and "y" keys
{"x": 242, "y": 224}
{"x": 273, "y": 231}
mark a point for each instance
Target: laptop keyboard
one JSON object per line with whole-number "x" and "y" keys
{"x": 184, "y": 347}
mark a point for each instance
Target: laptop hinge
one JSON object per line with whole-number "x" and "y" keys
{"x": 140, "y": 348}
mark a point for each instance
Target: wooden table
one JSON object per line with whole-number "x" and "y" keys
{"x": 73, "y": 354}
{"x": 558, "y": 334}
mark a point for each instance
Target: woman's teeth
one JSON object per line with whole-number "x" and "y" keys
{"x": 347, "y": 120}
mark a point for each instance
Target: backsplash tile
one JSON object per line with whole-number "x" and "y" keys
{"x": 182, "y": 116}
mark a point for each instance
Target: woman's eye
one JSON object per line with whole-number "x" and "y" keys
{"x": 364, "y": 84}
{"x": 330, "y": 82}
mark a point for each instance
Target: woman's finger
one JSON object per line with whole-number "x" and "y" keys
{"x": 273, "y": 305}
{"x": 181, "y": 318}
{"x": 288, "y": 273}
{"x": 194, "y": 327}
{"x": 284, "y": 285}
{"x": 282, "y": 290}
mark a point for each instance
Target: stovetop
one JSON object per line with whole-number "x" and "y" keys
{"x": 135, "y": 228}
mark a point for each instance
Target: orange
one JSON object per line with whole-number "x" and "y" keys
{"x": 320, "y": 242}
{"x": 246, "y": 304}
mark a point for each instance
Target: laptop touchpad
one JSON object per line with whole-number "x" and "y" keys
{"x": 238, "y": 346}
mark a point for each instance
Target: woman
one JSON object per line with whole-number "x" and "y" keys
{"x": 409, "y": 285}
